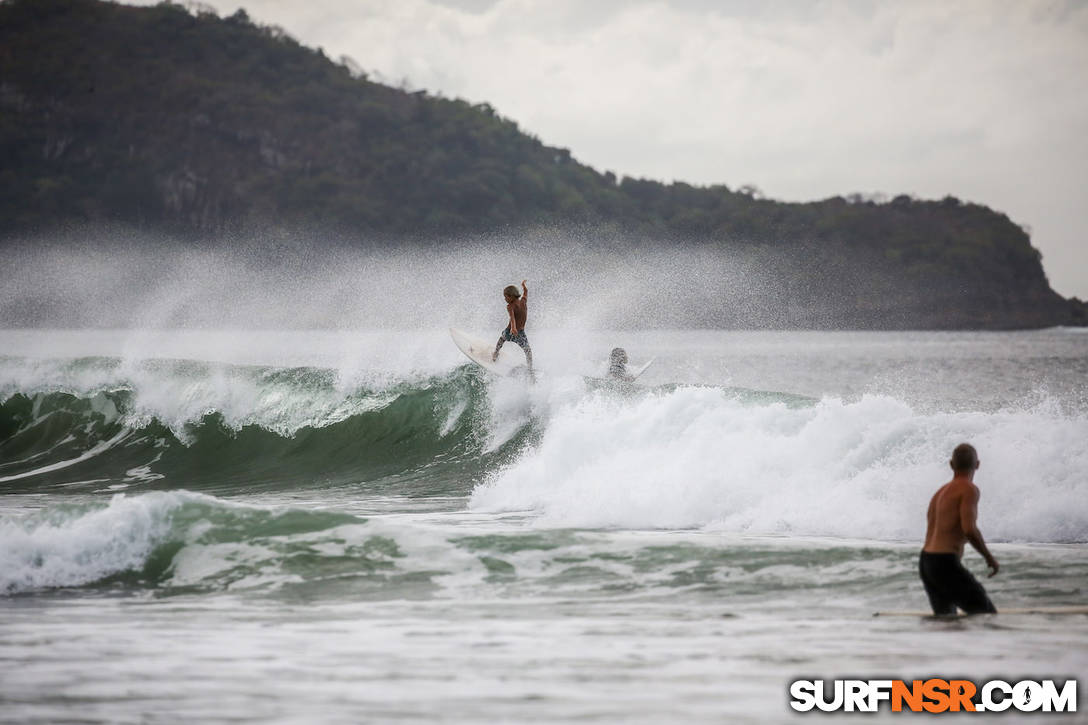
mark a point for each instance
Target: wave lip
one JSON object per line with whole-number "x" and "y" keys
{"x": 703, "y": 458}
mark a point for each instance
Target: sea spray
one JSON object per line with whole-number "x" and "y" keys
{"x": 309, "y": 284}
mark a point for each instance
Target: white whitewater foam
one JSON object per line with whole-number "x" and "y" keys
{"x": 513, "y": 404}
{"x": 78, "y": 547}
{"x": 700, "y": 458}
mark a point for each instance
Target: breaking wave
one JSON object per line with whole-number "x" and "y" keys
{"x": 569, "y": 451}
{"x": 702, "y": 457}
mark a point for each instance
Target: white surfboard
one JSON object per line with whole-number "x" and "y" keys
{"x": 480, "y": 351}
{"x": 641, "y": 370}
{"x": 1007, "y": 610}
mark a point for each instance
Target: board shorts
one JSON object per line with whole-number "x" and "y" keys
{"x": 949, "y": 585}
{"x": 520, "y": 340}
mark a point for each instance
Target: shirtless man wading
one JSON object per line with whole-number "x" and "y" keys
{"x": 950, "y": 522}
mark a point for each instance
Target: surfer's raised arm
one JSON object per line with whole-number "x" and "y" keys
{"x": 524, "y": 290}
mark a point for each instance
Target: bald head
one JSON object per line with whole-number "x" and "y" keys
{"x": 964, "y": 458}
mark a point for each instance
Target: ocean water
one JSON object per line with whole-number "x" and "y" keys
{"x": 293, "y": 526}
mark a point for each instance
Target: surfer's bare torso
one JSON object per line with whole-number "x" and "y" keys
{"x": 518, "y": 311}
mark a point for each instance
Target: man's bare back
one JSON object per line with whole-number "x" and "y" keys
{"x": 944, "y": 520}
{"x": 950, "y": 521}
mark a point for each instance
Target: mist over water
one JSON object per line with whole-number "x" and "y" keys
{"x": 299, "y": 284}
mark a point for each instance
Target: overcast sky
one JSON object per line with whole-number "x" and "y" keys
{"x": 986, "y": 100}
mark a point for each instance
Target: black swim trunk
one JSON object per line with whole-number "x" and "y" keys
{"x": 949, "y": 585}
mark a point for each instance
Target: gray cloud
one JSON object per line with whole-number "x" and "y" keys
{"x": 981, "y": 99}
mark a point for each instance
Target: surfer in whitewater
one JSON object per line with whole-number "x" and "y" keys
{"x": 518, "y": 311}
{"x": 617, "y": 366}
{"x": 951, "y": 521}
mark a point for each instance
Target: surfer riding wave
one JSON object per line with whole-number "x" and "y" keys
{"x": 518, "y": 310}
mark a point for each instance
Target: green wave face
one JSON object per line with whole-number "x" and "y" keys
{"x": 419, "y": 438}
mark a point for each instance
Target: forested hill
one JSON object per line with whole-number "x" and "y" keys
{"x": 202, "y": 127}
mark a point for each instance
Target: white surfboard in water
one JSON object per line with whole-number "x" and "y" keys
{"x": 1009, "y": 610}
{"x": 479, "y": 351}
{"x": 639, "y": 371}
